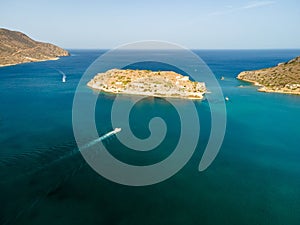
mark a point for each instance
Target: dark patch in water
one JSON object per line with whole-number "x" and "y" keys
{"x": 55, "y": 191}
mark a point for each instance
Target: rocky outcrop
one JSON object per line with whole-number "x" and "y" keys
{"x": 149, "y": 83}
{"x": 16, "y": 48}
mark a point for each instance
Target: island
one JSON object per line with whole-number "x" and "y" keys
{"x": 16, "y": 48}
{"x": 148, "y": 83}
{"x": 283, "y": 78}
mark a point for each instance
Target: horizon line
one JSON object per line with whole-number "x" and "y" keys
{"x": 217, "y": 49}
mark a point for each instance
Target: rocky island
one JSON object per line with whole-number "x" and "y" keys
{"x": 16, "y": 48}
{"x": 283, "y": 78}
{"x": 149, "y": 83}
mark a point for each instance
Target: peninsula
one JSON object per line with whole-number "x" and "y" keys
{"x": 283, "y": 78}
{"x": 149, "y": 83}
{"x": 16, "y": 48}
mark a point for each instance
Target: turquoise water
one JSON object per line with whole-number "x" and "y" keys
{"x": 255, "y": 179}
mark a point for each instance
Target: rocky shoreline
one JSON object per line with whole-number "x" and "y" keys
{"x": 32, "y": 60}
{"x": 283, "y": 78}
{"x": 17, "y": 48}
{"x": 148, "y": 83}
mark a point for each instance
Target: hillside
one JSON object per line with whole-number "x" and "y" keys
{"x": 283, "y": 78}
{"x": 16, "y": 48}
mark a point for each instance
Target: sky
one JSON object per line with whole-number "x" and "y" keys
{"x": 215, "y": 24}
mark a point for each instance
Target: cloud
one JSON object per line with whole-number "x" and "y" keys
{"x": 251, "y": 5}
{"x": 257, "y": 4}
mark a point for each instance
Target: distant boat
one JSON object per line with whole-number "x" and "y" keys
{"x": 226, "y": 98}
{"x": 222, "y": 78}
{"x": 117, "y": 130}
{"x": 64, "y": 78}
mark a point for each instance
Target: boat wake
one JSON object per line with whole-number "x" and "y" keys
{"x": 48, "y": 175}
{"x": 44, "y": 160}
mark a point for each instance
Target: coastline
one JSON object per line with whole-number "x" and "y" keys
{"x": 37, "y": 60}
{"x": 143, "y": 94}
{"x": 147, "y": 83}
{"x": 265, "y": 89}
{"x": 18, "y": 48}
{"x": 283, "y": 78}
{"x": 250, "y": 81}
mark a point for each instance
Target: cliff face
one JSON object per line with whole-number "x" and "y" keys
{"x": 16, "y": 47}
{"x": 283, "y": 78}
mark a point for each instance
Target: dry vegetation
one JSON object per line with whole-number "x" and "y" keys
{"x": 146, "y": 82}
{"x": 16, "y": 47}
{"x": 283, "y": 78}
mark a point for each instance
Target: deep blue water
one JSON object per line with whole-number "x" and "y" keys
{"x": 255, "y": 179}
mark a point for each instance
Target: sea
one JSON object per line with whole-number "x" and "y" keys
{"x": 254, "y": 179}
